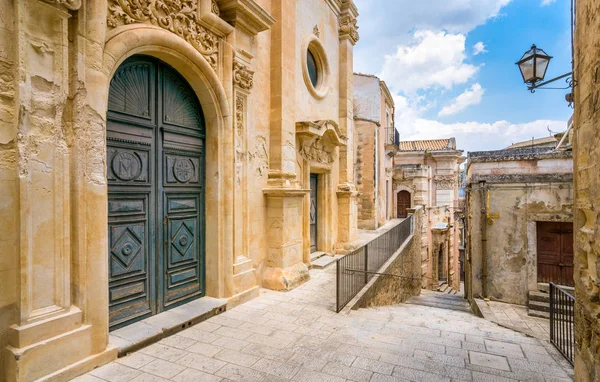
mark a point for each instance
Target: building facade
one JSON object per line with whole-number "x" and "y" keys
{"x": 154, "y": 152}
{"x": 586, "y": 157}
{"x": 426, "y": 173}
{"x": 376, "y": 141}
{"x": 520, "y": 223}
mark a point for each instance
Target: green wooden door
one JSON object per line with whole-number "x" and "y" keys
{"x": 155, "y": 171}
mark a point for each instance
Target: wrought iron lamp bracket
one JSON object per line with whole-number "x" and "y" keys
{"x": 571, "y": 83}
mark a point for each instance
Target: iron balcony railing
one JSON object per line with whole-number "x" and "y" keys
{"x": 356, "y": 269}
{"x": 562, "y": 313}
{"x": 392, "y": 138}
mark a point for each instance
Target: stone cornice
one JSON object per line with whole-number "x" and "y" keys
{"x": 246, "y": 15}
{"x": 72, "y": 5}
{"x": 321, "y": 128}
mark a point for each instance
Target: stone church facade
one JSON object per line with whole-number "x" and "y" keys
{"x": 153, "y": 152}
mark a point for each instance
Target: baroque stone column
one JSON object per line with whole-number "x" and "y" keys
{"x": 347, "y": 192}
{"x": 52, "y": 335}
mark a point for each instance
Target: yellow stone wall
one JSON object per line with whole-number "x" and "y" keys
{"x": 266, "y": 132}
{"x": 587, "y": 191}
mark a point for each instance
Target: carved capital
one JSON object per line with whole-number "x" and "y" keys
{"x": 348, "y": 28}
{"x": 243, "y": 77}
{"x": 72, "y": 5}
{"x": 179, "y": 17}
{"x": 214, "y": 7}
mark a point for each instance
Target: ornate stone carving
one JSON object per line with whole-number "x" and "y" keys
{"x": 177, "y": 16}
{"x": 69, "y": 4}
{"x": 239, "y": 114}
{"x": 316, "y": 31}
{"x": 445, "y": 182}
{"x": 315, "y": 151}
{"x": 348, "y": 28}
{"x": 242, "y": 76}
{"x": 215, "y": 8}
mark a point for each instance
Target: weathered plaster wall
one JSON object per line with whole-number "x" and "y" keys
{"x": 511, "y": 238}
{"x": 9, "y": 213}
{"x": 367, "y": 97}
{"x": 587, "y": 192}
{"x": 387, "y": 290}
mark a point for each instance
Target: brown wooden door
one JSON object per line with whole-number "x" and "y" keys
{"x": 313, "y": 212}
{"x": 555, "y": 253}
{"x": 403, "y": 204}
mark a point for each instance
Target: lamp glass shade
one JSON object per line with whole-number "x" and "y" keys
{"x": 533, "y": 65}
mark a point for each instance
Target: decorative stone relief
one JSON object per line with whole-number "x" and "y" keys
{"x": 215, "y": 8}
{"x": 445, "y": 182}
{"x": 348, "y": 28}
{"x": 239, "y": 150}
{"x": 316, "y": 31}
{"x": 315, "y": 151}
{"x": 177, "y": 16}
{"x": 260, "y": 156}
{"x": 242, "y": 76}
{"x": 69, "y": 4}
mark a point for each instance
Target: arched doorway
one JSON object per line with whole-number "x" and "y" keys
{"x": 403, "y": 204}
{"x": 155, "y": 170}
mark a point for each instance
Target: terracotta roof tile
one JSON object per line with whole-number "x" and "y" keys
{"x": 427, "y": 145}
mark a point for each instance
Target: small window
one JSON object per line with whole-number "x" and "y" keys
{"x": 313, "y": 70}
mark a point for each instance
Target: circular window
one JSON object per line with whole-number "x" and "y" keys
{"x": 316, "y": 71}
{"x": 313, "y": 71}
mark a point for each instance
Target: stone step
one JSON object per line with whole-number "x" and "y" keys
{"x": 544, "y": 307}
{"x": 539, "y": 296}
{"x": 324, "y": 261}
{"x": 540, "y": 314}
{"x": 315, "y": 255}
{"x": 436, "y": 304}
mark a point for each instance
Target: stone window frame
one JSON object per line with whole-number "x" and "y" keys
{"x": 314, "y": 45}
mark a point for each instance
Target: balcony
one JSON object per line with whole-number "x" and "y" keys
{"x": 392, "y": 139}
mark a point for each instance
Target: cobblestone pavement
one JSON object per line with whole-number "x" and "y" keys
{"x": 515, "y": 317}
{"x": 296, "y": 336}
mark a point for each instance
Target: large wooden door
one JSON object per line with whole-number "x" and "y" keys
{"x": 555, "y": 253}
{"x": 313, "y": 212}
{"x": 403, "y": 204}
{"x": 155, "y": 170}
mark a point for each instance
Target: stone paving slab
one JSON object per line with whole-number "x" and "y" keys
{"x": 296, "y": 336}
{"x": 515, "y": 317}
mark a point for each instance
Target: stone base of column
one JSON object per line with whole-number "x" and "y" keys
{"x": 284, "y": 269}
{"x": 347, "y": 215}
{"x": 58, "y": 348}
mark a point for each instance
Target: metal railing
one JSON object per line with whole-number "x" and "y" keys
{"x": 356, "y": 269}
{"x": 392, "y": 136}
{"x": 561, "y": 320}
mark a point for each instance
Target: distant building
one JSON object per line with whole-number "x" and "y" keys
{"x": 426, "y": 173}
{"x": 376, "y": 139}
{"x": 520, "y": 224}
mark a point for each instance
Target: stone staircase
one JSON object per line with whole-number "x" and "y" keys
{"x": 440, "y": 300}
{"x": 445, "y": 288}
{"x": 539, "y": 304}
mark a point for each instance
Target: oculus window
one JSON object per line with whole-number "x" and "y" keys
{"x": 313, "y": 69}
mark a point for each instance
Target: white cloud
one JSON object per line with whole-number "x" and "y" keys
{"x": 384, "y": 23}
{"x": 469, "y": 97}
{"x": 479, "y": 48}
{"x": 547, "y": 2}
{"x": 432, "y": 60}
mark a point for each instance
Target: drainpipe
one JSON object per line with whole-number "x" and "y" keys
{"x": 483, "y": 199}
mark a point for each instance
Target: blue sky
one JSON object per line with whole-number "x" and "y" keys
{"x": 450, "y": 65}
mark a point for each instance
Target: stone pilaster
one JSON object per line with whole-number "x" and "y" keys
{"x": 347, "y": 192}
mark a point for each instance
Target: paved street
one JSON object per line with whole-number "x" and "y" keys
{"x": 297, "y": 336}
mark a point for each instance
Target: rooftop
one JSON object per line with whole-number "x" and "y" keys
{"x": 538, "y": 142}
{"x": 429, "y": 145}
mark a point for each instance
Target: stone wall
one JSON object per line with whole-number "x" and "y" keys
{"x": 587, "y": 191}
{"x": 387, "y": 290}
{"x": 365, "y": 173}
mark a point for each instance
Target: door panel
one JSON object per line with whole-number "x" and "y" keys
{"x": 403, "y": 204}
{"x": 555, "y": 252}
{"x": 155, "y": 171}
{"x": 313, "y": 212}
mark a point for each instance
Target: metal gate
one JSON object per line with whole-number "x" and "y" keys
{"x": 155, "y": 170}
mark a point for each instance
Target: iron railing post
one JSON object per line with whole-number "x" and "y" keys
{"x": 366, "y": 263}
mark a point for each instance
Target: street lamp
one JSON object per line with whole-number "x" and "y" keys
{"x": 533, "y": 66}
